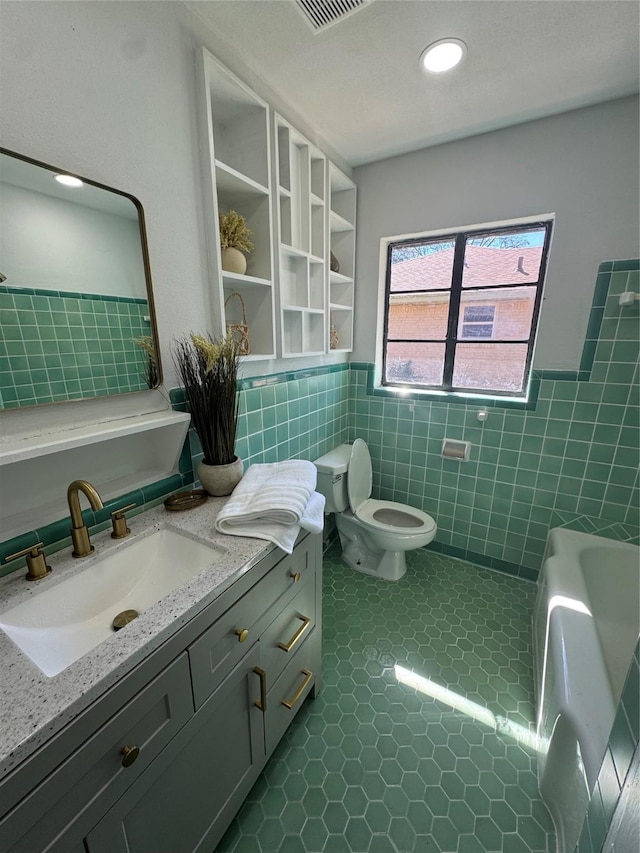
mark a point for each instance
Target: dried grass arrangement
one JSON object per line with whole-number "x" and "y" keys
{"x": 208, "y": 371}
{"x": 234, "y": 232}
{"x": 150, "y": 368}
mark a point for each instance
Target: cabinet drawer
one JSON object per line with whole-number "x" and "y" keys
{"x": 95, "y": 772}
{"x": 289, "y": 631}
{"x": 291, "y": 689}
{"x": 220, "y": 648}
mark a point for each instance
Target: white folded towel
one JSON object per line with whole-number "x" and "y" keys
{"x": 273, "y": 501}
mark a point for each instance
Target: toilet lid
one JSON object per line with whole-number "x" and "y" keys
{"x": 360, "y": 475}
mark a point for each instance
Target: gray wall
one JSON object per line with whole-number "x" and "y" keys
{"x": 581, "y": 165}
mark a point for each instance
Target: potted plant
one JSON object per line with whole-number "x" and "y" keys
{"x": 208, "y": 371}
{"x": 234, "y": 240}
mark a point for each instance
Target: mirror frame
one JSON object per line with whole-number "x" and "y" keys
{"x": 144, "y": 246}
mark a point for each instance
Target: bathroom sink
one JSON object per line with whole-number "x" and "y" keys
{"x": 62, "y": 623}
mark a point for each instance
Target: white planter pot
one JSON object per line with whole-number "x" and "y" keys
{"x": 220, "y": 480}
{"x": 234, "y": 261}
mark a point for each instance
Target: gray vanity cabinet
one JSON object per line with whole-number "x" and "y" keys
{"x": 185, "y": 801}
{"x": 206, "y": 710}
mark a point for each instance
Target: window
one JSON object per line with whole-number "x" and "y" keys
{"x": 461, "y": 309}
{"x": 477, "y": 322}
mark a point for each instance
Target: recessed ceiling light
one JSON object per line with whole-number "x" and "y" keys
{"x": 68, "y": 180}
{"x": 442, "y": 55}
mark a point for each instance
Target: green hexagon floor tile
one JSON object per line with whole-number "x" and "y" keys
{"x": 421, "y": 740}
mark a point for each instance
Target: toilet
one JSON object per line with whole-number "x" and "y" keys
{"x": 374, "y": 534}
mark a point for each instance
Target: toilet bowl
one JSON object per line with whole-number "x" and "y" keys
{"x": 374, "y": 534}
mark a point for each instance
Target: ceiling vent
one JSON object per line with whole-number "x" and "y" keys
{"x": 321, "y": 14}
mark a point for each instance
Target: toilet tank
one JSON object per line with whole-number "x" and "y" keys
{"x": 332, "y": 477}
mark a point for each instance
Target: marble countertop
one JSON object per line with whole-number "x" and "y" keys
{"x": 33, "y": 707}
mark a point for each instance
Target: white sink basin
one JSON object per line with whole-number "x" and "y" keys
{"x": 62, "y": 623}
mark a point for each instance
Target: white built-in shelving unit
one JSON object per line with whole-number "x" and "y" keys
{"x": 237, "y": 171}
{"x": 301, "y": 188}
{"x": 295, "y": 305}
{"x": 341, "y": 228}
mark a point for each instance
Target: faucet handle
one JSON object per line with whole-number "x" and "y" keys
{"x": 36, "y": 562}
{"x": 119, "y": 522}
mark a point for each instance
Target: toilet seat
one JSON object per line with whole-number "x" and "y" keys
{"x": 389, "y": 516}
{"x": 386, "y": 516}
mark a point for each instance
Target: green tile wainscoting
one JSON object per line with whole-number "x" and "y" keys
{"x": 294, "y": 415}
{"x": 568, "y": 458}
{"x": 299, "y": 414}
{"x": 60, "y": 345}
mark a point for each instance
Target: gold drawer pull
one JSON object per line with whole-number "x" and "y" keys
{"x": 262, "y": 675}
{"x": 295, "y": 577}
{"x": 129, "y": 755}
{"x": 289, "y": 703}
{"x": 286, "y": 647}
{"x": 241, "y": 634}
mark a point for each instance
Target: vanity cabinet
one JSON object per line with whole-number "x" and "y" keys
{"x": 205, "y": 710}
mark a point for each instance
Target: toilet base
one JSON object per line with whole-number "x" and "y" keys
{"x": 389, "y": 566}
{"x": 377, "y": 553}
{"x": 361, "y": 554}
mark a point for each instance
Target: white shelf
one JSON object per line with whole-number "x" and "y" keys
{"x": 236, "y": 159}
{"x": 116, "y": 457}
{"x": 234, "y": 278}
{"x": 313, "y": 209}
{"x": 340, "y": 285}
{"x": 339, "y": 223}
{"x": 229, "y": 180}
{"x": 301, "y": 176}
{"x": 43, "y": 444}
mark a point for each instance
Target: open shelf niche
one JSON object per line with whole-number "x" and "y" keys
{"x": 301, "y": 189}
{"x": 341, "y": 217}
{"x": 236, "y": 155}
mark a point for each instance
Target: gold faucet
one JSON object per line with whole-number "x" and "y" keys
{"x": 82, "y": 546}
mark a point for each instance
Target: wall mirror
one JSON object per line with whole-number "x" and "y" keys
{"x": 76, "y": 306}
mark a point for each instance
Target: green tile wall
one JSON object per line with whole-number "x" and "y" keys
{"x": 570, "y": 459}
{"x": 618, "y": 760}
{"x": 289, "y": 415}
{"x": 57, "y": 345}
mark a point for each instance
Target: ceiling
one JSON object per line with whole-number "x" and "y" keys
{"x": 358, "y": 84}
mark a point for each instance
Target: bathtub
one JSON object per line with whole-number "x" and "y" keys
{"x": 586, "y": 626}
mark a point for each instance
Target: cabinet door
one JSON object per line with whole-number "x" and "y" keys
{"x": 189, "y": 795}
{"x": 57, "y": 814}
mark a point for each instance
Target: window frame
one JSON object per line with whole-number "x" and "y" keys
{"x": 459, "y": 237}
